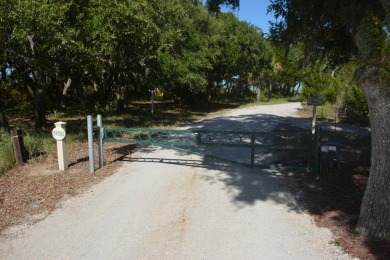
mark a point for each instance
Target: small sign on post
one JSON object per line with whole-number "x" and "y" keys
{"x": 314, "y": 101}
{"x": 59, "y": 133}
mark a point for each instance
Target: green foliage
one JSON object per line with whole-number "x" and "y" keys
{"x": 33, "y": 144}
{"x": 7, "y": 159}
{"x": 38, "y": 144}
{"x": 94, "y": 55}
{"x": 355, "y": 108}
{"x": 339, "y": 32}
{"x": 323, "y": 82}
{"x": 214, "y": 5}
{"x": 288, "y": 69}
{"x": 337, "y": 88}
{"x": 97, "y": 54}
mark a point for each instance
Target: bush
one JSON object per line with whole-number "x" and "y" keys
{"x": 355, "y": 108}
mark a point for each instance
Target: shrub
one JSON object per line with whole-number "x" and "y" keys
{"x": 355, "y": 108}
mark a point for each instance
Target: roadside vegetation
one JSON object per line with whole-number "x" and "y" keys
{"x": 80, "y": 59}
{"x": 62, "y": 60}
{"x": 167, "y": 114}
{"x": 7, "y": 159}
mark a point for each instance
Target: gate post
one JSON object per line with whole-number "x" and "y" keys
{"x": 317, "y": 151}
{"x": 90, "y": 144}
{"x": 199, "y": 138}
{"x": 18, "y": 145}
{"x": 253, "y": 138}
{"x": 100, "y": 140}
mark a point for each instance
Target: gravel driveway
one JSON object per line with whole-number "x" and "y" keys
{"x": 190, "y": 208}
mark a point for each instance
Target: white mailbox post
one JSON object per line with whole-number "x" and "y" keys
{"x": 59, "y": 134}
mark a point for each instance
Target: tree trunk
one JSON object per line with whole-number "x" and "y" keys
{"x": 374, "y": 219}
{"x": 258, "y": 94}
{"x": 40, "y": 109}
{"x": 120, "y": 102}
{"x": 270, "y": 90}
{"x": 371, "y": 76}
{"x": 65, "y": 92}
{"x": 3, "y": 121}
{"x": 120, "y": 98}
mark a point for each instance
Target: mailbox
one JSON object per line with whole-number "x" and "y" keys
{"x": 59, "y": 133}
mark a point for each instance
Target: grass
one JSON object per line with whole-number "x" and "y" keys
{"x": 325, "y": 111}
{"x": 7, "y": 159}
{"x": 35, "y": 144}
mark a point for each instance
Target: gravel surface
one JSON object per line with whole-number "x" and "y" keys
{"x": 185, "y": 208}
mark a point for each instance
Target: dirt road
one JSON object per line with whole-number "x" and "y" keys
{"x": 191, "y": 208}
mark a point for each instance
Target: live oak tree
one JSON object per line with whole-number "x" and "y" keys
{"x": 93, "y": 55}
{"x": 33, "y": 47}
{"x": 351, "y": 30}
{"x": 186, "y": 56}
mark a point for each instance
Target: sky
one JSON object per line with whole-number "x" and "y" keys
{"x": 254, "y": 12}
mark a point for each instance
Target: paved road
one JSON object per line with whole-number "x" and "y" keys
{"x": 190, "y": 209}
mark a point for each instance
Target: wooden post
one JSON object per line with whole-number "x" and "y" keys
{"x": 18, "y": 145}
{"x": 314, "y": 101}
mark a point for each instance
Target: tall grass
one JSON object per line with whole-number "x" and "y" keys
{"x": 326, "y": 111}
{"x": 39, "y": 144}
{"x": 35, "y": 144}
{"x": 7, "y": 159}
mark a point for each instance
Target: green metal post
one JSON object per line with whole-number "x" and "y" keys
{"x": 311, "y": 153}
{"x": 317, "y": 147}
{"x": 199, "y": 138}
{"x": 149, "y": 136}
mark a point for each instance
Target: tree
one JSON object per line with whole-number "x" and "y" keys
{"x": 243, "y": 54}
{"x": 290, "y": 73}
{"x": 123, "y": 38}
{"x": 3, "y": 81}
{"x": 351, "y": 30}
{"x": 214, "y": 5}
{"x": 34, "y": 36}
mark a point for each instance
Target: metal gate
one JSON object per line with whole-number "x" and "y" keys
{"x": 293, "y": 151}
